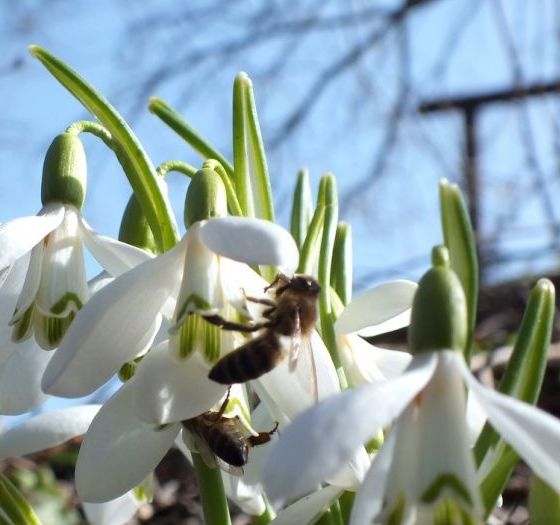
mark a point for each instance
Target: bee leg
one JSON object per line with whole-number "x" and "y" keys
{"x": 260, "y": 300}
{"x": 225, "y": 402}
{"x": 262, "y": 437}
{"x": 218, "y": 320}
{"x": 278, "y": 278}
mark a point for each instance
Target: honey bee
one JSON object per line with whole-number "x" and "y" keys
{"x": 291, "y": 312}
{"x": 227, "y": 438}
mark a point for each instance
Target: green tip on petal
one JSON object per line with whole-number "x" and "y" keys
{"x": 439, "y": 310}
{"x": 206, "y": 197}
{"x": 65, "y": 171}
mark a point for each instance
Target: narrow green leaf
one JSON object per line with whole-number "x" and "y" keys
{"x": 459, "y": 239}
{"x": 192, "y": 137}
{"x": 302, "y": 208}
{"x": 328, "y": 197}
{"x": 14, "y": 505}
{"x": 311, "y": 243}
{"x": 241, "y": 176}
{"x": 258, "y": 169}
{"x": 544, "y": 503}
{"x": 522, "y": 379}
{"x": 341, "y": 267}
{"x": 138, "y": 167}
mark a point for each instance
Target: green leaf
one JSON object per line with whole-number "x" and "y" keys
{"x": 14, "y": 505}
{"x": 544, "y": 503}
{"x": 341, "y": 267}
{"x": 260, "y": 180}
{"x": 459, "y": 239}
{"x": 302, "y": 208}
{"x": 251, "y": 178}
{"x": 192, "y": 137}
{"x": 137, "y": 166}
{"x": 522, "y": 379}
{"x": 328, "y": 197}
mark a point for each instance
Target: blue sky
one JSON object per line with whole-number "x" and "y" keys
{"x": 394, "y": 220}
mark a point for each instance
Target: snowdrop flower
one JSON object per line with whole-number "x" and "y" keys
{"x": 42, "y": 256}
{"x": 50, "y": 429}
{"x": 381, "y": 309}
{"x": 425, "y": 468}
{"x": 120, "y": 450}
{"x": 197, "y": 277}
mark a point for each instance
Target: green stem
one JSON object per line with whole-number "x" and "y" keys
{"x": 175, "y": 165}
{"x": 346, "y": 501}
{"x": 327, "y": 518}
{"x": 94, "y": 128}
{"x": 212, "y": 494}
{"x": 265, "y": 518}
{"x": 178, "y": 124}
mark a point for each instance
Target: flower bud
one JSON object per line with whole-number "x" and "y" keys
{"x": 206, "y": 197}
{"x": 135, "y": 229}
{"x": 439, "y": 310}
{"x": 65, "y": 171}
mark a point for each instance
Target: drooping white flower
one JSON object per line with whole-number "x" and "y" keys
{"x": 426, "y": 465}
{"x": 121, "y": 321}
{"x": 49, "y": 247}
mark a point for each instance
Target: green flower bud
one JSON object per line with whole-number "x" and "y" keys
{"x": 439, "y": 309}
{"x": 135, "y": 229}
{"x": 65, "y": 171}
{"x": 206, "y": 197}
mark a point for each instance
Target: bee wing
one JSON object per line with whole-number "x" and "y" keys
{"x": 307, "y": 368}
{"x": 197, "y": 445}
{"x": 295, "y": 344}
{"x": 230, "y": 469}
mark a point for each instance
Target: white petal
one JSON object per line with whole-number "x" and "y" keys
{"x": 248, "y": 498}
{"x": 349, "y": 420}
{"x": 366, "y": 363}
{"x": 63, "y": 270}
{"x": 533, "y": 433}
{"x": 370, "y": 496}
{"x": 114, "y": 256}
{"x": 47, "y": 430}
{"x": 252, "y": 241}
{"x": 119, "y": 450}
{"x": 30, "y": 286}
{"x": 200, "y": 278}
{"x": 9, "y": 293}
{"x": 308, "y": 508}
{"x": 293, "y": 392}
{"x": 382, "y": 309}
{"x": 20, "y": 377}
{"x": 169, "y": 389}
{"x": 113, "y": 327}
{"x": 18, "y": 237}
{"x": 115, "y": 512}
{"x": 351, "y": 475}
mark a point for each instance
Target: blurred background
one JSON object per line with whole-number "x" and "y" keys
{"x": 390, "y": 96}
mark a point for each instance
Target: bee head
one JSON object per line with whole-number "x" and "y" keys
{"x": 305, "y": 284}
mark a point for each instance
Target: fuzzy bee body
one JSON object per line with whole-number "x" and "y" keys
{"x": 291, "y": 313}
{"x": 225, "y": 437}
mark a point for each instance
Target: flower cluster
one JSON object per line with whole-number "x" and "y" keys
{"x": 239, "y": 344}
